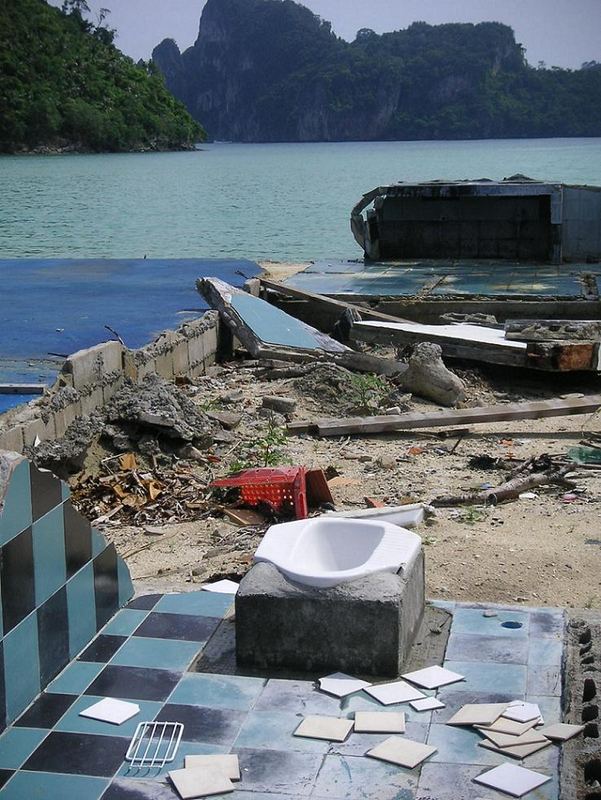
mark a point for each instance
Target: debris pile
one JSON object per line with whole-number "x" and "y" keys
{"x": 154, "y": 416}
{"x": 131, "y": 494}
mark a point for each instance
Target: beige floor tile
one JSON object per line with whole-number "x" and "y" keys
{"x": 193, "y": 783}
{"x": 561, "y": 732}
{"x": 404, "y": 752}
{"x": 478, "y": 714}
{"x": 332, "y": 729}
{"x": 226, "y": 764}
{"x": 379, "y": 721}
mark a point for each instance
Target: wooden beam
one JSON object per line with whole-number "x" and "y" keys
{"x": 489, "y": 345}
{"x": 472, "y": 342}
{"x": 331, "y": 303}
{"x": 431, "y": 310}
{"x": 450, "y": 418}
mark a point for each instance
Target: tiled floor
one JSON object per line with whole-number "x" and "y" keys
{"x": 143, "y": 654}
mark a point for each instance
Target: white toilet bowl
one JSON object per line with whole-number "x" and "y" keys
{"x": 324, "y": 552}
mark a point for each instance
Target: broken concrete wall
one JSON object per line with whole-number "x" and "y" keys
{"x": 60, "y": 582}
{"x": 91, "y": 377}
{"x": 581, "y": 227}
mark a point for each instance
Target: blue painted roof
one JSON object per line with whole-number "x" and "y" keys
{"x": 59, "y": 306}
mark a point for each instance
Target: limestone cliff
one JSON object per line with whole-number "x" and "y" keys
{"x": 270, "y": 70}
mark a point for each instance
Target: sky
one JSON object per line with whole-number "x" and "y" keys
{"x": 561, "y": 33}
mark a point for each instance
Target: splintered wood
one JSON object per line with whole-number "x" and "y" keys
{"x": 138, "y": 496}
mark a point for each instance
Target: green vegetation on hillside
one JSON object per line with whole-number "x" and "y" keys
{"x": 270, "y": 70}
{"x": 63, "y": 83}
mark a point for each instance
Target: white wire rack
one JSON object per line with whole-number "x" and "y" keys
{"x": 154, "y": 744}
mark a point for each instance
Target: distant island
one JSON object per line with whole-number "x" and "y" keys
{"x": 65, "y": 86}
{"x": 271, "y": 71}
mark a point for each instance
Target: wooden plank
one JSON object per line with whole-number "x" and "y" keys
{"x": 450, "y": 418}
{"x": 479, "y": 348}
{"x": 479, "y": 343}
{"x": 330, "y": 302}
{"x": 22, "y": 388}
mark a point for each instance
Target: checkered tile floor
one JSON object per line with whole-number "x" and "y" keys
{"x": 143, "y": 654}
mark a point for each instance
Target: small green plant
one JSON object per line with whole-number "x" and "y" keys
{"x": 472, "y": 516}
{"x": 266, "y": 451}
{"x": 210, "y": 405}
{"x": 367, "y": 392}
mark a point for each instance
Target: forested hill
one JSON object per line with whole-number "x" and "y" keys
{"x": 270, "y": 70}
{"x": 64, "y": 84}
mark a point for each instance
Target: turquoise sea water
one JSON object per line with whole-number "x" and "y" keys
{"x": 284, "y": 202}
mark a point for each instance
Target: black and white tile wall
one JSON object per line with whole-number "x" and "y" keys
{"x": 59, "y": 582}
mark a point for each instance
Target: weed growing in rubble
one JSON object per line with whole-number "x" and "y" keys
{"x": 367, "y": 392}
{"x": 268, "y": 450}
{"x": 471, "y": 516}
{"x": 209, "y": 405}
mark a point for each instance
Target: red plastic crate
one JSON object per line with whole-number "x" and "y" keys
{"x": 278, "y": 487}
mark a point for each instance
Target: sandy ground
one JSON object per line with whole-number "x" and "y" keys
{"x": 541, "y": 551}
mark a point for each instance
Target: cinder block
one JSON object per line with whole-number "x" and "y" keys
{"x": 145, "y": 368}
{"x": 210, "y": 342}
{"x": 163, "y": 365}
{"x": 92, "y": 402}
{"x": 65, "y": 416}
{"x": 12, "y": 439}
{"x": 196, "y": 350}
{"x": 110, "y": 389}
{"x": 112, "y": 356}
{"x": 86, "y": 367}
{"x": 365, "y": 627}
{"x": 130, "y": 365}
{"x": 180, "y": 357}
{"x": 39, "y": 428}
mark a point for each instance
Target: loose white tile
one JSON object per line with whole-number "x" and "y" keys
{"x": 521, "y": 751}
{"x": 510, "y": 726}
{"x": 225, "y": 764}
{"x": 508, "y": 740}
{"x": 522, "y": 712}
{"x": 478, "y": 714}
{"x": 379, "y": 721}
{"x": 108, "y": 710}
{"x": 333, "y": 729}
{"x": 561, "y": 731}
{"x": 396, "y": 692}
{"x": 427, "y": 704}
{"x": 193, "y": 783}
{"x": 341, "y": 685}
{"x": 404, "y": 752}
{"x": 221, "y": 587}
{"x": 433, "y": 677}
{"x": 513, "y": 780}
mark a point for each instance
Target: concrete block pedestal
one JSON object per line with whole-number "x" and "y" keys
{"x": 365, "y": 627}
